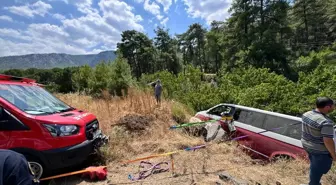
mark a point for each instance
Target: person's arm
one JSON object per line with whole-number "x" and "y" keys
{"x": 327, "y": 132}
{"x": 330, "y": 144}
{"x": 19, "y": 171}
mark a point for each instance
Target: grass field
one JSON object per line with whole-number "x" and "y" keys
{"x": 194, "y": 167}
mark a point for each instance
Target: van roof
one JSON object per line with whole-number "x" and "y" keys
{"x": 264, "y": 111}
{"x": 17, "y": 80}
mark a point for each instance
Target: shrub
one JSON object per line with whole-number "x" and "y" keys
{"x": 179, "y": 113}
{"x": 121, "y": 77}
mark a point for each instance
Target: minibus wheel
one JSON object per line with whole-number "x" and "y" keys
{"x": 36, "y": 166}
{"x": 282, "y": 158}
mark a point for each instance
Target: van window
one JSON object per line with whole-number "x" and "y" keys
{"x": 240, "y": 115}
{"x": 219, "y": 110}
{"x": 32, "y": 99}
{"x": 9, "y": 123}
{"x": 255, "y": 119}
{"x": 274, "y": 122}
{"x": 294, "y": 131}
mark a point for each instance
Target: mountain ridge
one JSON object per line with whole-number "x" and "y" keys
{"x": 54, "y": 60}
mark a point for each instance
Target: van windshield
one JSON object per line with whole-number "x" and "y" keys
{"x": 32, "y": 99}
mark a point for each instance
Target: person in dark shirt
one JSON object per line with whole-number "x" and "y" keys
{"x": 15, "y": 169}
{"x": 158, "y": 91}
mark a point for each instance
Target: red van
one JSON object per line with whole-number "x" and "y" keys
{"x": 49, "y": 133}
{"x": 269, "y": 134}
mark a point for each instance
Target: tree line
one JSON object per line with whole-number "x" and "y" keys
{"x": 113, "y": 77}
{"x": 259, "y": 33}
{"x": 250, "y": 86}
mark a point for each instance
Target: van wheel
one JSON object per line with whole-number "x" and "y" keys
{"x": 36, "y": 166}
{"x": 282, "y": 158}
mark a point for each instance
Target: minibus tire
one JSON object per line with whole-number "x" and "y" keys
{"x": 36, "y": 165}
{"x": 282, "y": 157}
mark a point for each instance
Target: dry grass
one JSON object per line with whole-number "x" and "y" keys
{"x": 194, "y": 167}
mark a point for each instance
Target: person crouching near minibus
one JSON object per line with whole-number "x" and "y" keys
{"x": 15, "y": 169}
{"x": 317, "y": 139}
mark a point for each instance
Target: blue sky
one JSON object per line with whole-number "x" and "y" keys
{"x": 92, "y": 26}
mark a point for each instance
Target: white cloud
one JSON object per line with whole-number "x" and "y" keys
{"x": 138, "y": 18}
{"x": 44, "y": 31}
{"x": 38, "y": 38}
{"x": 152, "y": 7}
{"x": 119, "y": 15}
{"x": 208, "y": 9}
{"x": 166, "y": 4}
{"x": 84, "y": 6}
{"x": 159, "y": 17}
{"x": 5, "y": 32}
{"x": 59, "y": 16}
{"x": 30, "y": 10}
{"x": 89, "y": 33}
{"x": 13, "y": 48}
{"x": 65, "y": 1}
{"x": 164, "y": 21}
{"x": 6, "y": 18}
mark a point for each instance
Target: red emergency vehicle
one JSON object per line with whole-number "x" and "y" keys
{"x": 48, "y": 132}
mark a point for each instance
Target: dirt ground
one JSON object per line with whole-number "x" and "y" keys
{"x": 140, "y": 128}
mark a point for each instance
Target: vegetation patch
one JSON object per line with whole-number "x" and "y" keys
{"x": 135, "y": 123}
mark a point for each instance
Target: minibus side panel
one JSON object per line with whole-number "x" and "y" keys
{"x": 271, "y": 143}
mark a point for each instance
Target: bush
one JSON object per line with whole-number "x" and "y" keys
{"x": 179, "y": 113}
{"x": 100, "y": 79}
{"x": 121, "y": 77}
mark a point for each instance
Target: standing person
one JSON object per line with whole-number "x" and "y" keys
{"x": 317, "y": 139}
{"x": 158, "y": 91}
{"x": 15, "y": 169}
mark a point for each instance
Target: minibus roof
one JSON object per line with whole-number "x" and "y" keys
{"x": 264, "y": 111}
{"x": 10, "y": 78}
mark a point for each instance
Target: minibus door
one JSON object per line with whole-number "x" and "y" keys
{"x": 251, "y": 124}
{"x": 4, "y": 134}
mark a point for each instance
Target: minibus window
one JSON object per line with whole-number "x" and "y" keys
{"x": 295, "y": 130}
{"x": 219, "y": 110}
{"x": 236, "y": 115}
{"x": 9, "y": 123}
{"x": 32, "y": 99}
{"x": 276, "y": 124}
{"x": 240, "y": 115}
{"x": 255, "y": 119}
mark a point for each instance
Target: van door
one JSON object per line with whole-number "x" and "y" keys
{"x": 286, "y": 139}
{"x": 4, "y": 134}
{"x": 8, "y": 124}
{"x": 249, "y": 124}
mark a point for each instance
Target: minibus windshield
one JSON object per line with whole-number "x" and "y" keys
{"x": 32, "y": 99}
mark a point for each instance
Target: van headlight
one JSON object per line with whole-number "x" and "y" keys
{"x": 61, "y": 130}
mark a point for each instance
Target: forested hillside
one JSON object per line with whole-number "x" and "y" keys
{"x": 53, "y": 60}
{"x": 274, "y": 55}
